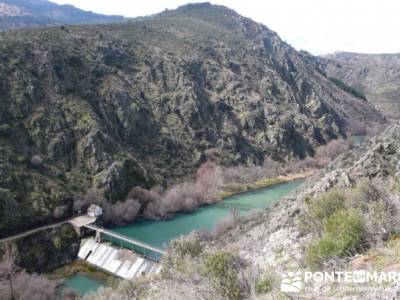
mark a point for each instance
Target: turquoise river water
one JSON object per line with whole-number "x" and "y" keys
{"x": 82, "y": 283}
{"x": 159, "y": 233}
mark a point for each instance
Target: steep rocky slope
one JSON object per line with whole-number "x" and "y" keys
{"x": 278, "y": 241}
{"x": 16, "y": 14}
{"x": 269, "y": 243}
{"x": 114, "y": 106}
{"x": 377, "y": 75}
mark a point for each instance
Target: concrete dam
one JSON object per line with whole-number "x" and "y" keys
{"x": 118, "y": 261}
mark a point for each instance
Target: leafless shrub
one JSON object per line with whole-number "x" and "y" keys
{"x": 156, "y": 203}
{"x": 378, "y": 207}
{"x": 34, "y": 287}
{"x": 208, "y": 182}
{"x": 229, "y": 222}
{"x": 17, "y": 284}
{"x": 222, "y": 226}
{"x": 323, "y": 156}
{"x": 59, "y": 211}
{"x": 120, "y": 212}
{"x": 333, "y": 149}
{"x": 375, "y": 129}
{"x": 8, "y": 272}
{"x": 91, "y": 197}
{"x": 70, "y": 294}
{"x": 182, "y": 197}
{"x": 79, "y": 204}
{"x": 144, "y": 195}
{"x": 188, "y": 195}
{"x": 36, "y": 160}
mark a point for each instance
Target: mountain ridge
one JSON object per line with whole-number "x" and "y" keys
{"x": 17, "y": 14}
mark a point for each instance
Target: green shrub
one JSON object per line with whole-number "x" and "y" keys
{"x": 344, "y": 235}
{"x": 327, "y": 205}
{"x": 222, "y": 268}
{"x": 347, "y": 88}
{"x": 320, "y": 252}
{"x": 318, "y": 210}
{"x": 265, "y": 285}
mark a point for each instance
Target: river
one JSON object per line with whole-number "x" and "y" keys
{"x": 160, "y": 233}
{"x": 82, "y": 283}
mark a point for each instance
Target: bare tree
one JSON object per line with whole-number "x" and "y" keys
{"x": 34, "y": 287}
{"x": 19, "y": 284}
{"x": 208, "y": 181}
{"x": 8, "y": 270}
{"x": 235, "y": 213}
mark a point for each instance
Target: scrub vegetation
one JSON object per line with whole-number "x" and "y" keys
{"x": 344, "y": 223}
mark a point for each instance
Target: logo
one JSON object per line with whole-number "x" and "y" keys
{"x": 291, "y": 282}
{"x": 294, "y": 282}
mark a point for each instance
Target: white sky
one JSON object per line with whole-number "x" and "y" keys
{"x": 318, "y": 26}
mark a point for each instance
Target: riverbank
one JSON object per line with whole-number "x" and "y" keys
{"x": 236, "y": 189}
{"x": 81, "y": 267}
{"x": 160, "y": 232}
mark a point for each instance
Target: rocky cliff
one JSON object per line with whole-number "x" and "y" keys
{"x": 377, "y": 75}
{"x": 114, "y": 106}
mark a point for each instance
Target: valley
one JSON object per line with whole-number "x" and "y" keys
{"x": 200, "y": 134}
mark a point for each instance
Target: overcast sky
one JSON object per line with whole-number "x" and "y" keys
{"x": 318, "y": 26}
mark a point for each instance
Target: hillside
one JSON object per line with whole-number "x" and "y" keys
{"x": 114, "y": 106}
{"x": 358, "y": 193}
{"x": 377, "y": 75}
{"x": 15, "y": 14}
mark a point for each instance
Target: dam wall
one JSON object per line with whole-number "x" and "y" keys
{"x": 118, "y": 261}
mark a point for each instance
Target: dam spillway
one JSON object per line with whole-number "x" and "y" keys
{"x": 118, "y": 261}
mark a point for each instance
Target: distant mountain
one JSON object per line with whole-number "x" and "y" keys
{"x": 16, "y": 14}
{"x": 377, "y": 75}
